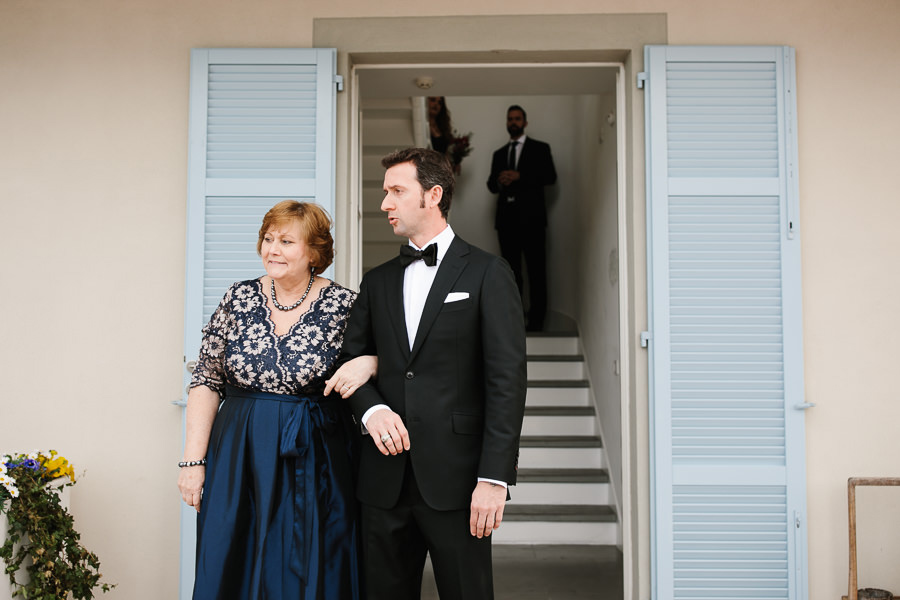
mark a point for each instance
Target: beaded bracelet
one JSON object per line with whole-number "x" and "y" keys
{"x": 192, "y": 463}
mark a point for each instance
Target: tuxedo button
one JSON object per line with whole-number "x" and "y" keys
{"x": 410, "y": 375}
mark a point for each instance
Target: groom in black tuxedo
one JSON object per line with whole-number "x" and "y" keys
{"x": 519, "y": 172}
{"x": 445, "y": 413}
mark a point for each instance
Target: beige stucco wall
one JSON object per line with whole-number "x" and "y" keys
{"x": 93, "y": 138}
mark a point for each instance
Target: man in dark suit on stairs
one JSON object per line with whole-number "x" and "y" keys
{"x": 444, "y": 414}
{"x": 519, "y": 172}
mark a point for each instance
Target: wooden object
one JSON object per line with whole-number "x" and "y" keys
{"x": 852, "y": 484}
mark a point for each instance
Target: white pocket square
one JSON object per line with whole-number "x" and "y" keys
{"x": 456, "y": 297}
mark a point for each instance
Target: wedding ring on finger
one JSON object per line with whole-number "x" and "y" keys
{"x": 385, "y": 438}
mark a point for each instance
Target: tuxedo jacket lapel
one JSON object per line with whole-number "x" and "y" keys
{"x": 525, "y": 155}
{"x": 449, "y": 271}
{"x": 397, "y": 316}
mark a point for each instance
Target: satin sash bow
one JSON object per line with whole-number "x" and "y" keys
{"x": 297, "y": 442}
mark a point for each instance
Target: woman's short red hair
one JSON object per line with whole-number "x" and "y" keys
{"x": 315, "y": 227}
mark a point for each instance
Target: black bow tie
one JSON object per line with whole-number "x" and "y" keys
{"x": 409, "y": 255}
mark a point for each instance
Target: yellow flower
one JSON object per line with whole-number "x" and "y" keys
{"x": 56, "y": 465}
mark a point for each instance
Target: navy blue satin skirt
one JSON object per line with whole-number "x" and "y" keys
{"x": 279, "y": 518}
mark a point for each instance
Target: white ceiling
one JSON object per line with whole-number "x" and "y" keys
{"x": 486, "y": 80}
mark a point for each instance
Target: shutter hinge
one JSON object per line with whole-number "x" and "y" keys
{"x": 339, "y": 82}
{"x": 641, "y": 79}
{"x": 646, "y": 336}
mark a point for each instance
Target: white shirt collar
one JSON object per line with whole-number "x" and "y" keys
{"x": 443, "y": 240}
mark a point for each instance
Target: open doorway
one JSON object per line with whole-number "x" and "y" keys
{"x": 520, "y": 39}
{"x": 570, "y": 106}
{"x": 574, "y": 107}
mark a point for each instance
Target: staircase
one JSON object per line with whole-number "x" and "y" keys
{"x": 387, "y": 125}
{"x": 563, "y": 493}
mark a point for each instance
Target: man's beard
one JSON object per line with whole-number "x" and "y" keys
{"x": 514, "y": 131}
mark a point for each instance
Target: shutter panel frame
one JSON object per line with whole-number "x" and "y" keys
{"x": 708, "y": 396}
{"x": 276, "y": 100}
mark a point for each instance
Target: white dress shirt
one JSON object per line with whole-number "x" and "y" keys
{"x": 417, "y": 282}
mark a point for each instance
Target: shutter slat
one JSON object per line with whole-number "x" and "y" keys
{"x": 252, "y": 112}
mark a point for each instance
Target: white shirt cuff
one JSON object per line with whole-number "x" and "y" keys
{"x": 500, "y": 483}
{"x": 368, "y": 413}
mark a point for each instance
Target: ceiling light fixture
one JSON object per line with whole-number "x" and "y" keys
{"x": 424, "y": 82}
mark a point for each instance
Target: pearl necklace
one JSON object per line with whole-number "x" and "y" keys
{"x": 298, "y": 302}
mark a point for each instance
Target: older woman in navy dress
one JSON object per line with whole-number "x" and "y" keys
{"x": 268, "y": 452}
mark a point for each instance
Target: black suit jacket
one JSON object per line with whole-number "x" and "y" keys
{"x": 460, "y": 390}
{"x": 536, "y": 170}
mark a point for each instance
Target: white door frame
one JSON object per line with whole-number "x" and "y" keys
{"x": 622, "y": 116}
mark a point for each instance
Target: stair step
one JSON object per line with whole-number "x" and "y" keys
{"x": 555, "y": 532}
{"x": 560, "y": 441}
{"x": 543, "y": 492}
{"x": 555, "y": 357}
{"x": 587, "y": 457}
{"x": 579, "y": 513}
{"x": 538, "y": 343}
{"x": 392, "y": 129}
{"x": 558, "y": 383}
{"x": 563, "y": 475}
{"x": 379, "y": 151}
{"x": 559, "y": 411}
{"x": 376, "y": 253}
{"x": 367, "y": 104}
{"x": 560, "y": 451}
{"x": 561, "y": 486}
{"x": 379, "y": 230}
{"x": 541, "y": 424}
{"x": 569, "y": 367}
{"x": 538, "y": 396}
{"x": 559, "y": 420}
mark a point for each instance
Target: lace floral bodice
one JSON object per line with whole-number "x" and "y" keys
{"x": 240, "y": 345}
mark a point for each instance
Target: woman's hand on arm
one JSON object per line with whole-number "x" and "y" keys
{"x": 202, "y": 406}
{"x": 351, "y": 375}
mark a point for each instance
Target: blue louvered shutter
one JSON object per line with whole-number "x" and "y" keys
{"x": 726, "y": 389}
{"x": 262, "y": 129}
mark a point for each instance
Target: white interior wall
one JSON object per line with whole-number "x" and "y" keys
{"x": 596, "y": 296}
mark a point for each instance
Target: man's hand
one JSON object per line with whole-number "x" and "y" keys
{"x": 488, "y": 501}
{"x": 387, "y": 424}
{"x": 507, "y": 177}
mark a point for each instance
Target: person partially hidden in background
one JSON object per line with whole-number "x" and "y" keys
{"x": 519, "y": 172}
{"x": 443, "y": 136}
{"x": 444, "y": 416}
{"x": 439, "y": 126}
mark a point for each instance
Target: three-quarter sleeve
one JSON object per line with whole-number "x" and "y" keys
{"x": 210, "y": 369}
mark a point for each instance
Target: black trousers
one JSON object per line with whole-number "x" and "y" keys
{"x": 532, "y": 243}
{"x": 396, "y": 540}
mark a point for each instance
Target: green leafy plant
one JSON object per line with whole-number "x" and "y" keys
{"x": 42, "y": 531}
